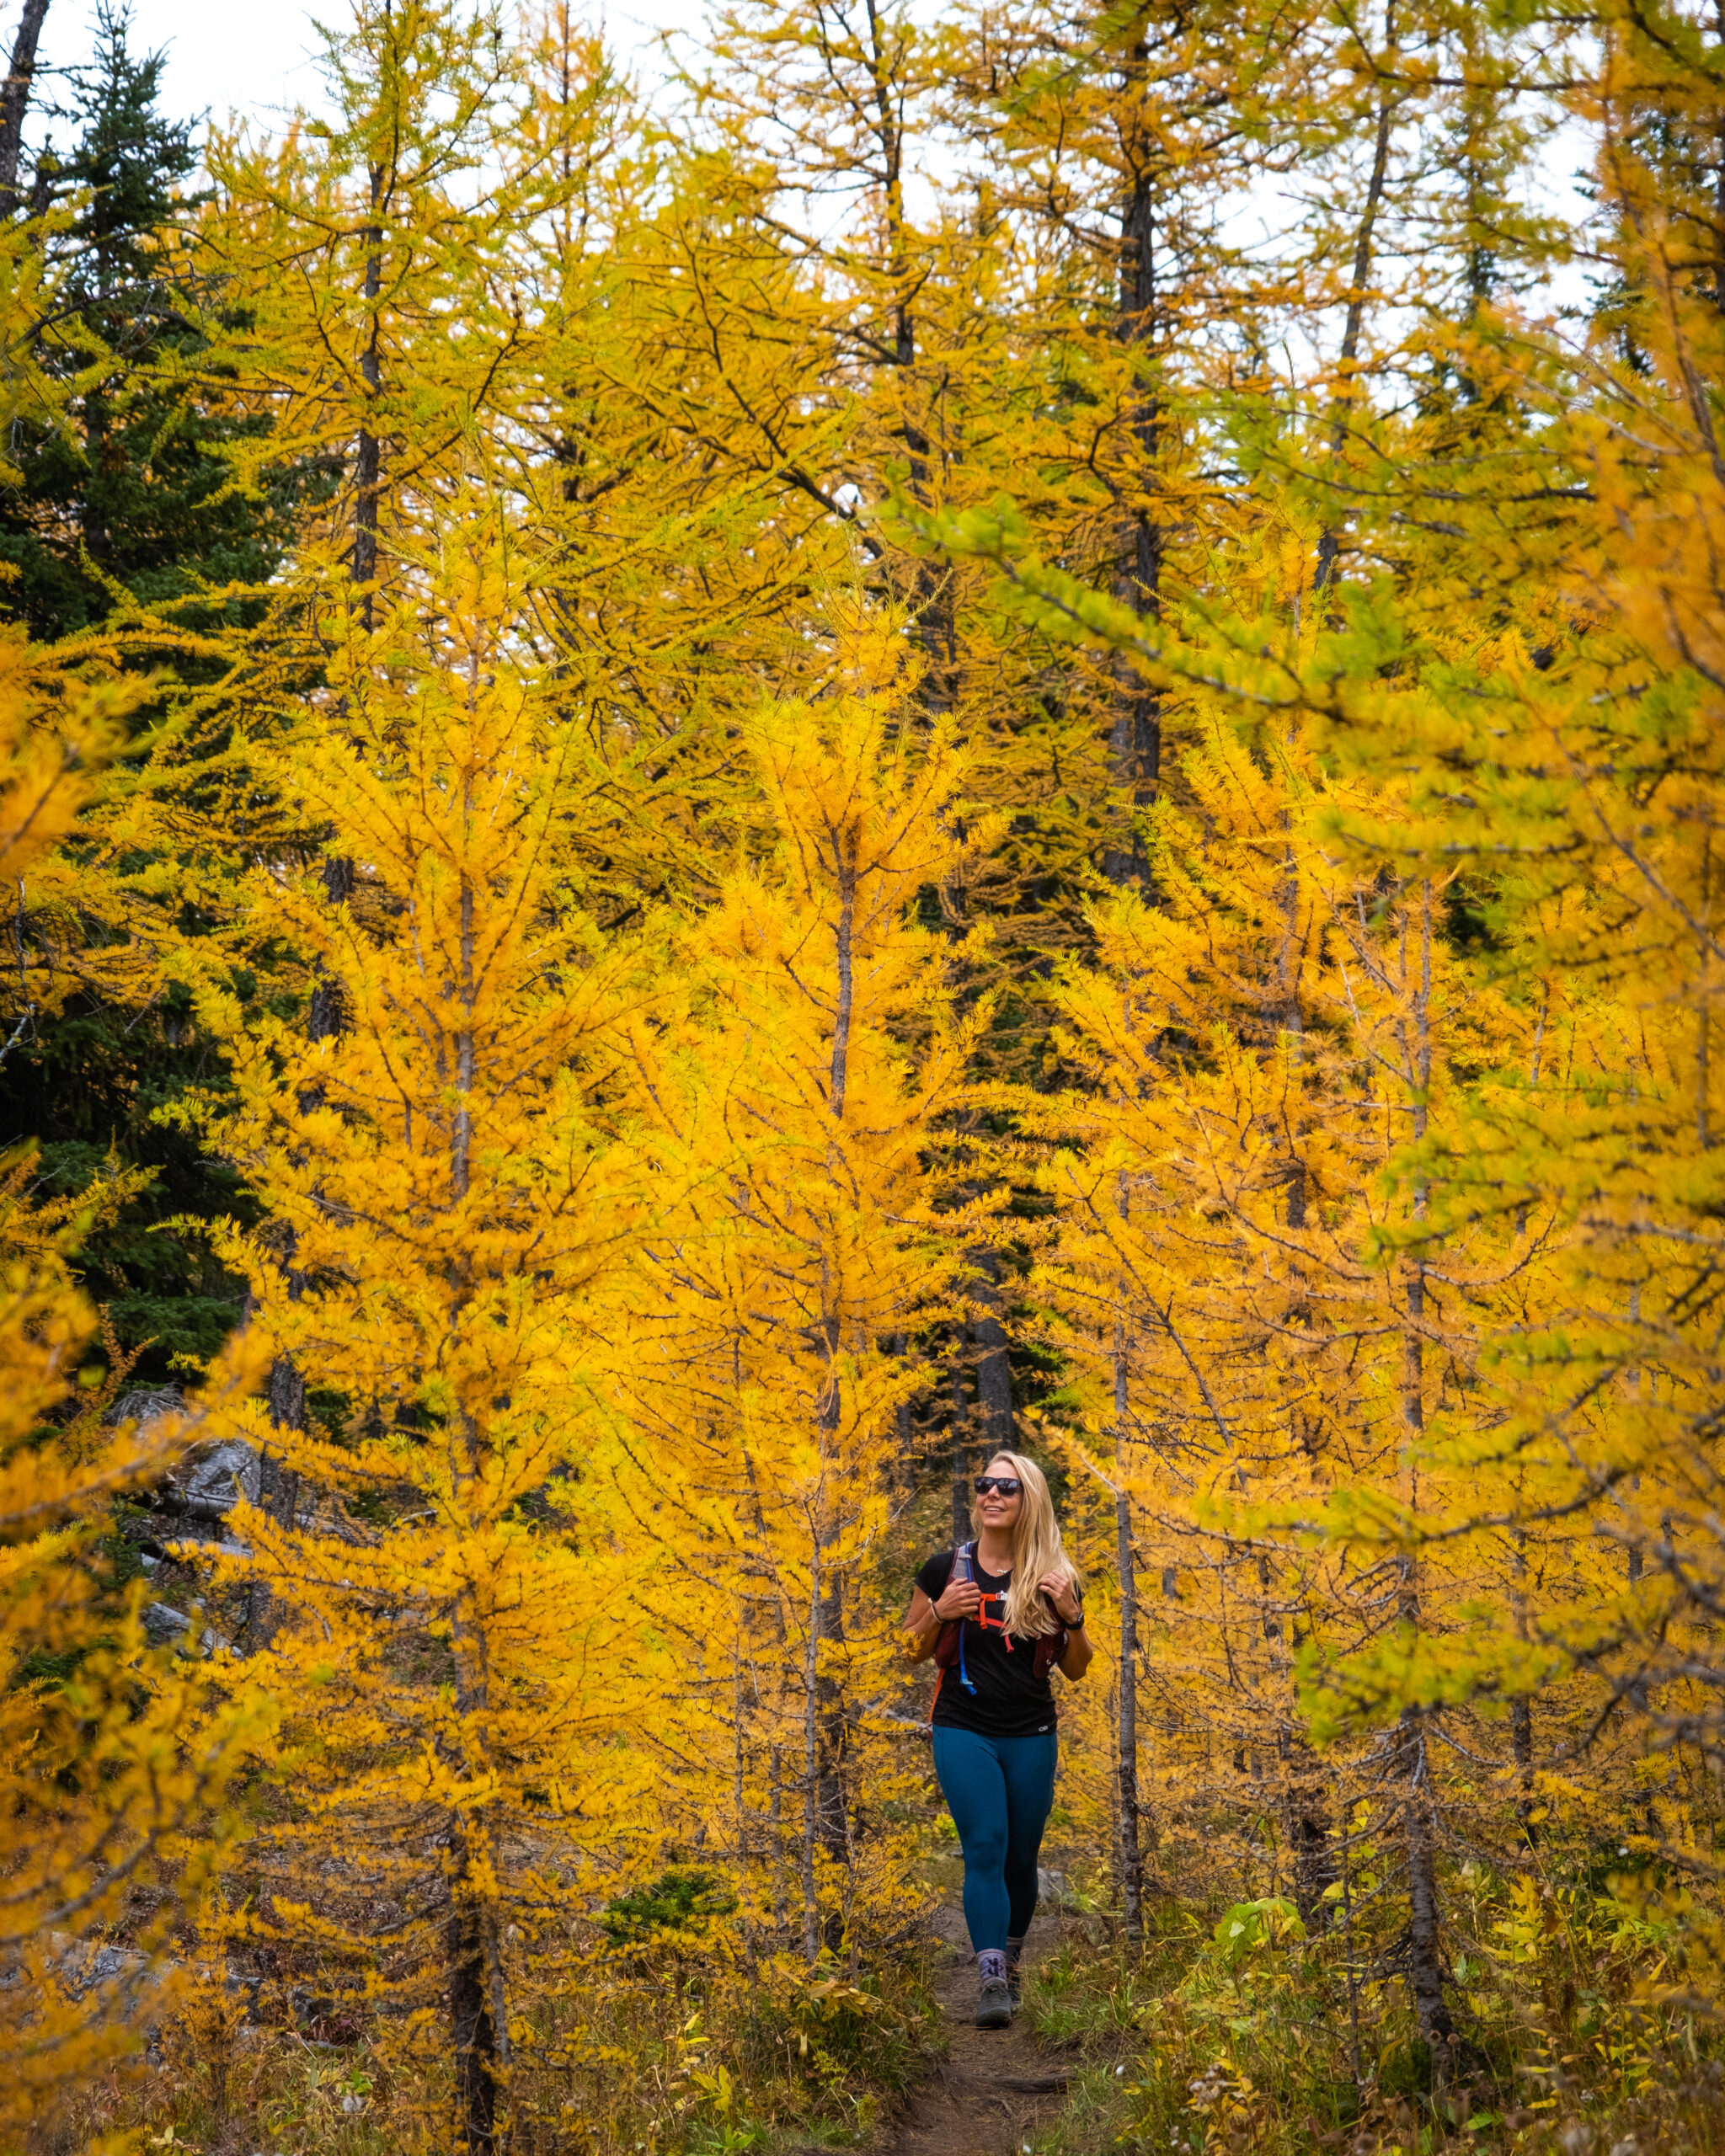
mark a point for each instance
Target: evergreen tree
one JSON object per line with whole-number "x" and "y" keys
{"x": 122, "y": 494}
{"x": 114, "y": 516}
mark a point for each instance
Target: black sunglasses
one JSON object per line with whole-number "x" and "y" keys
{"x": 1009, "y": 1486}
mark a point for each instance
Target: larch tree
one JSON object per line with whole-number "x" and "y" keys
{"x": 443, "y": 1612}
{"x": 1570, "y": 770}
{"x": 802, "y": 1107}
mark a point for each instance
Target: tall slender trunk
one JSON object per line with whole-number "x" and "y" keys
{"x": 1135, "y": 735}
{"x": 931, "y": 608}
{"x": 1703, "y": 1016}
{"x": 1425, "y": 1953}
{"x": 1719, "y": 181}
{"x": 1131, "y": 1834}
{"x": 1329, "y": 545}
{"x": 827, "y": 1730}
{"x": 1521, "y": 1745}
{"x": 481, "y": 2022}
{"x": 832, "y": 1723}
{"x": 775, "y": 1827}
{"x": 479, "y": 2003}
{"x": 845, "y": 867}
{"x": 811, "y": 1771}
{"x": 368, "y": 461}
{"x": 1424, "y": 1941}
{"x": 739, "y": 1808}
{"x": 993, "y": 1370}
{"x": 1313, "y": 1847}
{"x": 14, "y": 101}
{"x": 280, "y": 1486}
{"x": 478, "y": 1995}
{"x": 473, "y": 2028}
{"x": 1306, "y": 1790}
{"x": 903, "y": 1417}
{"x": 1521, "y": 1710}
{"x": 779, "y": 1659}
{"x": 960, "y": 1461}
{"x": 835, "y": 1727}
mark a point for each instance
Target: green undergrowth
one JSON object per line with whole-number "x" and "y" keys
{"x": 645, "y": 2059}
{"x": 1229, "y": 2029}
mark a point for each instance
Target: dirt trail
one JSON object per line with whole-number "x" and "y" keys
{"x": 996, "y": 2086}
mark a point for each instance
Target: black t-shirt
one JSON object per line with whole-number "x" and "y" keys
{"x": 1009, "y": 1699}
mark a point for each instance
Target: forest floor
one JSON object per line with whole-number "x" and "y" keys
{"x": 996, "y": 2089}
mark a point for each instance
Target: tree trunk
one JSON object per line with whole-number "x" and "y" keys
{"x": 1521, "y": 1743}
{"x": 1135, "y": 736}
{"x": 325, "y": 1017}
{"x": 1309, "y": 1837}
{"x": 1521, "y": 1710}
{"x": 1718, "y": 232}
{"x": 961, "y": 1462}
{"x": 905, "y": 1420}
{"x": 1131, "y": 1838}
{"x": 775, "y": 1834}
{"x": 828, "y": 1692}
{"x": 474, "y": 2030}
{"x": 1425, "y": 1944}
{"x": 1425, "y": 1953}
{"x": 811, "y": 1773}
{"x": 477, "y": 1999}
{"x": 14, "y": 101}
{"x": 834, "y": 1731}
{"x": 1329, "y": 545}
{"x": 368, "y": 461}
{"x": 994, "y": 1371}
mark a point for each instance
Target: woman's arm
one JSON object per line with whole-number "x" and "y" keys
{"x": 921, "y": 1627}
{"x": 924, "y": 1619}
{"x": 1070, "y": 1611}
{"x": 1077, "y": 1659}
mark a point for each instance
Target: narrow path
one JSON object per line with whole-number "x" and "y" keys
{"x": 996, "y": 2086}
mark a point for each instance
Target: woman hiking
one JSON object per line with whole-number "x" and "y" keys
{"x": 997, "y": 1614}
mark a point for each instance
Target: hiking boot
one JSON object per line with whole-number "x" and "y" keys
{"x": 994, "y": 2009}
{"x": 1015, "y": 1986}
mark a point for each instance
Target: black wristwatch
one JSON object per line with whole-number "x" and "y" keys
{"x": 1075, "y": 1624}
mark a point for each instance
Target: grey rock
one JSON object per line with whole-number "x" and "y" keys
{"x": 146, "y": 1404}
{"x": 163, "y": 1624}
{"x": 216, "y": 1476}
{"x": 84, "y": 1966}
{"x": 209, "y": 1481}
{"x": 1054, "y": 1888}
{"x": 191, "y": 1640}
{"x": 124, "y": 1979}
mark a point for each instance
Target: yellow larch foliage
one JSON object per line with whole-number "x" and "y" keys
{"x": 116, "y": 1757}
{"x": 802, "y": 1110}
{"x": 448, "y": 1200}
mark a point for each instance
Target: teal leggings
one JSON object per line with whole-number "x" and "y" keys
{"x": 999, "y": 1790}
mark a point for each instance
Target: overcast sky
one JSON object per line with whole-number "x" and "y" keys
{"x": 253, "y": 57}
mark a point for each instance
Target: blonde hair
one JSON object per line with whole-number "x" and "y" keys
{"x": 1037, "y": 1550}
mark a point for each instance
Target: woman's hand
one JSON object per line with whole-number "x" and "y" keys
{"x": 958, "y": 1599}
{"x": 1059, "y": 1590}
{"x": 924, "y": 1619}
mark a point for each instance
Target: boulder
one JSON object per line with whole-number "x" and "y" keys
{"x": 214, "y": 1477}
{"x": 146, "y": 1404}
{"x": 1054, "y": 1890}
{"x": 163, "y": 1624}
